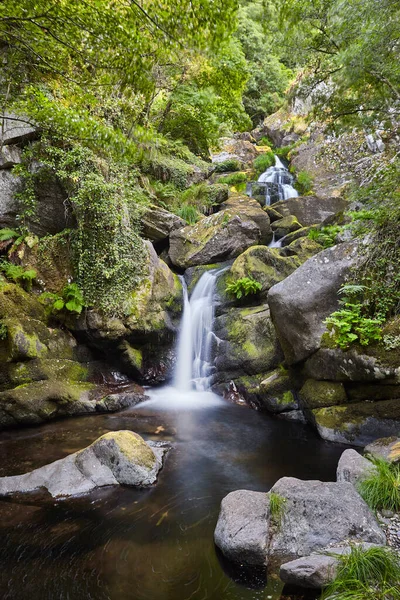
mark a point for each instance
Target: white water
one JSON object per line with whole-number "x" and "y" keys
{"x": 280, "y": 176}
{"x": 275, "y": 243}
{"x": 194, "y": 367}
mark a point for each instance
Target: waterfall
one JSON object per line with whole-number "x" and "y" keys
{"x": 193, "y": 366}
{"x": 275, "y": 184}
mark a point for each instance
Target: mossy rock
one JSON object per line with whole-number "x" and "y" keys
{"x": 302, "y": 248}
{"x": 295, "y": 235}
{"x": 276, "y": 392}
{"x": 273, "y": 214}
{"x": 318, "y": 394}
{"x": 17, "y": 303}
{"x": 286, "y": 225}
{"x": 360, "y": 423}
{"x": 130, "y": 445}
{"x": 132, "y": 359}
{"x": 15, "y": 374}
{"x": 263, "y": 264}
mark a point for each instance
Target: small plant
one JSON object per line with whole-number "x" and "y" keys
{"x": 276, "y": 507}
{"x": 372, "y": 574}
{"x": 326, "y": 236}
{"x": 18, "y": 274}
{"x": 229, "y": 165}
{"x": 243, "y": 287}
{"x": 71, "y": 300}
{"x": 381, "y": 490}
{"x": 263, "y": 162}
{"x": 304, "y": 182}
{"x": 391, "y": 342}
{"x": 265, "y": 141}
{"x": 8, "y": 234}
{"x": 234, "y": 179}
{"x": 3, "y": 330}
{"x": 284, "y": 151}
{"x": 188, "y": 213}
{"x": 348, "y": 325}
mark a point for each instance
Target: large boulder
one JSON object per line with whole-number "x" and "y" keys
{"x": 118, "y": 457}
{"x": 284, "y": 226}
{"x": 240, "y": 224}
{"x": 318, "y": 394}
{"x": 318, "y": 515}
{"x": 301, "y": 302}
{"x": 385, "y": 448}
{"x": 242, "y": 529}
{"x": 236, "y": 148}
{"x": 352, "y": 365}
{"x": 157, "y": 223}
{"x": 353, "y": 467}
{"x": 311, "y": 210}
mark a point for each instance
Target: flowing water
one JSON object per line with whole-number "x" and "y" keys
{"x": 275, "y": 184}
{"x": 153, "y": 544}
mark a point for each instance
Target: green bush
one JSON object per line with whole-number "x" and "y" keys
{"x": 304, "y": 182}
{"x": 381, "y": 490}
{"x": 243, "y": 287}
{"x": 265, "y": 141}
{"x": 326, "y": 236}
{"x": 18, "y": 274}
{"x": 372, "y": 574}
{"x": 349, "y": 325}
{"x": 284, "y": 151}
{"x": 233, "y": 179}
{"x": 229, "y": 165}
{"x": 263, "y": 162}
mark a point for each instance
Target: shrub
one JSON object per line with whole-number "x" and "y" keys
{"x": 326, "y": 236}
{"x": 265, "y": 141}
{"x": 263, "y": 162}
{"x": 243, "y": 287}
{"x": 229, "y": 165}
{"x": 18, "y": 274}
{"x": 284, "y": 151}
{"x": 381, "y": 490}
{"x": 304, "y": 182}
{"x": 372, "y": 574}
{"x": 233, "y": 179}
{"x": 348, "y": 325}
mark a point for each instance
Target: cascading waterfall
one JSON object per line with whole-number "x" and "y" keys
{"x": 275, "y": 184}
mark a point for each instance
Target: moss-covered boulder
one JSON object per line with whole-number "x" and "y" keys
{"x": 240, "y": 224}
{"x": 284, "y": 226}
{"x": 359, "y": 423}
{"x": 263, "y": 264}
{"x": 319, "y": 394}
{"x": 385, "y": 448}
{"x": 299, "y": 233}
{"x": 277, "y": 394}
{"x": 14, "y": 374}
{"x": 116, "y": 458}
{"x": 273, "y": 214}
{"x": 302, "y": 248}
{"x": 311, "y": 210}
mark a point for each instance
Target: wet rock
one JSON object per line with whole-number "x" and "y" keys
{"x": 386, "y": 448}
{"x": 120, "y": 457}
{"x": 353, "y": 467}
{"x": 347, "y": 366}
{"x": 311, "y": 210}
{"x": 243, "y": 527}
{"x": 285, "y": 226}
{"x": 276, "y": 393}
{"x": 314, "y": 571}
{"x": 318, "y": 394}
{"x": 240, "y": 224}
{"x": 157, "y": 223}
{"x": 317, "y": 515}
{"x": 299, "y": 233}
{"x": 300, "y": 303}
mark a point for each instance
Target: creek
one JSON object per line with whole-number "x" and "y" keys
{"x": 157, "y": 543}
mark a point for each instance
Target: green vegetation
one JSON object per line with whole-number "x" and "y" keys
{"x": 188, "y": 214}
{"x": 326, "y": 236}
{"x": 18, "y": 274}
{"x": 263, "y": 162}
{"x": 381, "y": 490}
{"x": 71, "y": 300}
{"x": 304, "y": 182}
{"x": 228, "y": 166}
{"x": 276, "y": 507}
{"x": 234, "y": 179}
{"x": 243, "y": 287}
{"x": 372, "y": 574}
{"x": 3, "y": 330}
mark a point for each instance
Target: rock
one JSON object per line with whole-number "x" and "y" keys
{"x": 353, "y": 467}
{"x": 241, "y": 149}
{"x": 317, "y": 515}
{"x": 226, "y": 234}
{"x": 284, "y": 226}
{"x": 263, "y": 264}
{"x": 386, "y": 448}
{"x": 290, "y": 139}
{"x": 118, "y": 457}
{"x": 359, "y": 423}
{"x": 247, "y": 343}
{"x": 273, "y": 214}
{"x": 50, "y": 369}
{"x": 300, "y": 303}
{"x": 280, "y": 127}
{"x": 276, "y": 393}
{"x": 349, "y": 365}
{"x": 293, "y": 415}
{"x": 311, "y": 210}
{"x": 314, "y": 571}
{"x": 243, "y": 527}
{"x": 317, "y": 394}
{"x": 157, "y": 223}
{"x": 372, "y": 391}
{"x": 17, "y": 129}
{"x": 303, "y": 249}
{"x": 291, "y": 237}
{"x": 10, "y": 156}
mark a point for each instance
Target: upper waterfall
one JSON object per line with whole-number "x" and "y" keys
{"x": 276, "y": 183}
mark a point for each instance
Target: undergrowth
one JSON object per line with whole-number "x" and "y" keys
{"x": 381, "y": 490}
{"x": 243, "y": 287}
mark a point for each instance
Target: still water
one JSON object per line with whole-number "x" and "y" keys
{"x": 154, "y": 544}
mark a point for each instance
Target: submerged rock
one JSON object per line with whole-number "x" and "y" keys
{"x": 242, "y": 529}
{"x": 119, "y": 457}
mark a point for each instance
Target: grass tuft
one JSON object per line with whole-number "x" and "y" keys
{"x": 381, "y": 490}
{"x": 276, "y": 507}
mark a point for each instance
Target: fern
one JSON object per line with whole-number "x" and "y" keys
{"x": 8, "y": 234}
{"x": 243, "y": 287}
{"x": 18, "y": 274}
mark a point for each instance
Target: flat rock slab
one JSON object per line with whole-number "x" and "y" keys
{"x": 317, "y": 515}
{"x": 119, "y": 457}
{"x": 243, "y": 527}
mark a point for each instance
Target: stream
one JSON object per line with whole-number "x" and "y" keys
{"x": 157, "y": 543}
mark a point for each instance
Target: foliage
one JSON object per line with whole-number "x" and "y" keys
{"x": 372, "y": 574}
{"x": 326, "y": 236}
{"x": 229, "y": 165}
{"x": 18, "y": 274}
{"x": 263, "y": 162}
{"x": 234, "y": 178}
{"x": 71, "y": 300}
{"x": 276, "y": 507}
{"x": 188, "y": 213}
{"x": 3, "y": 330}
{"x": 391, "y": 342}
{"x": 243, "y": 287}
{"x": 304, "y": 182}
{"x": 8, "y": 234}
{"x": 381, "y": 490}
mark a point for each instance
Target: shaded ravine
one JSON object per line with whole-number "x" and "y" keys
{"x": 154, "y": 544}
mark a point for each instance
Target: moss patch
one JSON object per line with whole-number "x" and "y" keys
{"x": 132, "y": 446}
{"x": 318, "y": 394}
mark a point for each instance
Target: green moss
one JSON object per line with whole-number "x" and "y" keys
{"x": 318, "y": 394}
{"x": 286, "y": 398}
{"x": 132, "y": 446}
